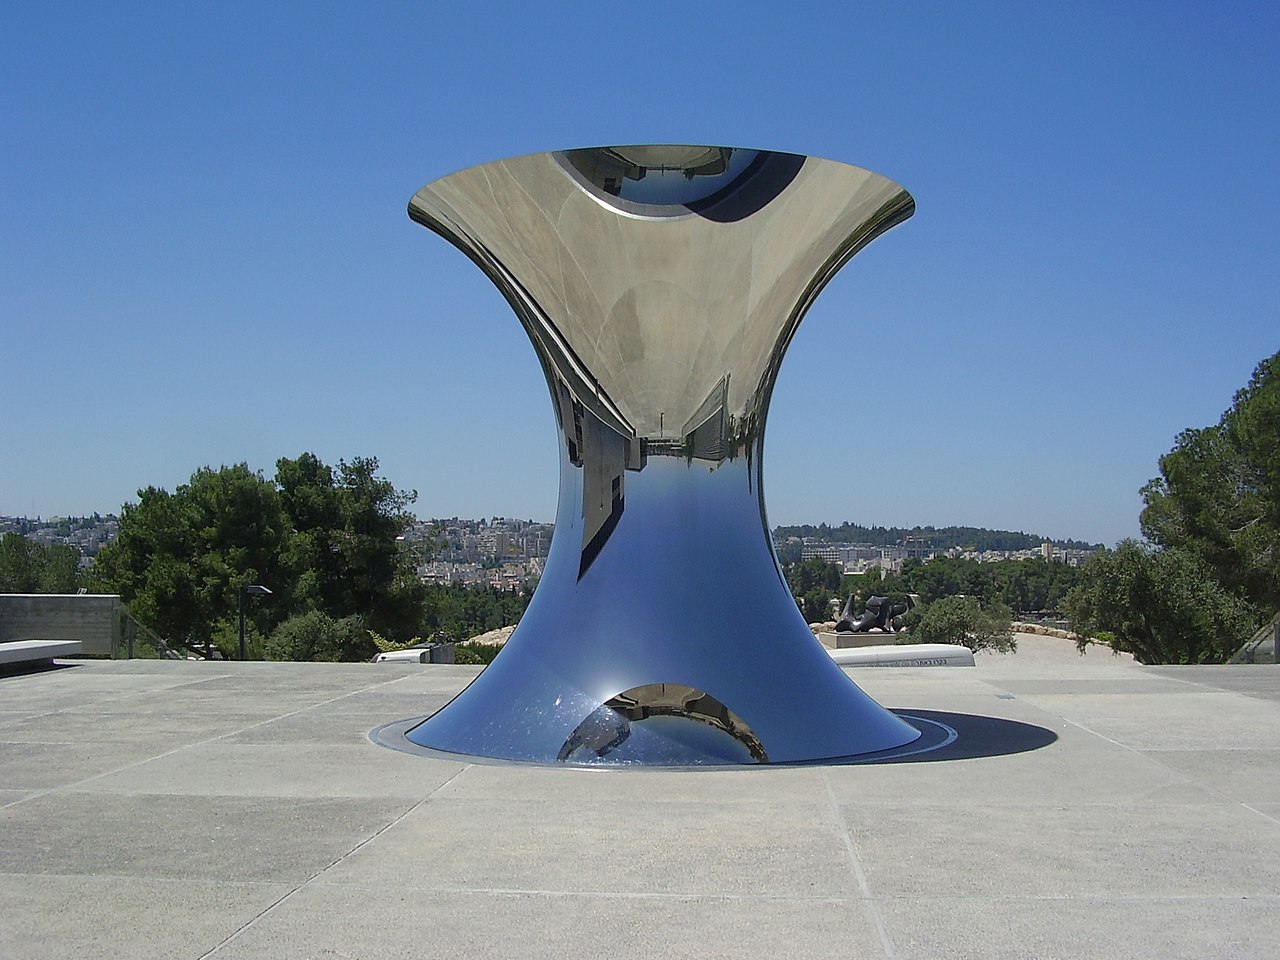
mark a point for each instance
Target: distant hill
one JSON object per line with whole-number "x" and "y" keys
{"x": 934, "y": 538}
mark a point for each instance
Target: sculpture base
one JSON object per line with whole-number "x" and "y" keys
{"x": 839, "y": 641}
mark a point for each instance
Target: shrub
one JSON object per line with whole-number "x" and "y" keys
{"x": 317, "y": 636}
{"x": 225, "y": 634}
{"x": 476, "y": 653}
{"x": 1162, "y": 606}
{"x": 391, "y": 646}
{"x": 963, "y": 621}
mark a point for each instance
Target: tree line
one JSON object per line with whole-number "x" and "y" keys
{"x": 30, "y": 567}
{"x": 327, "y": 541}
{"x": 322, "y": 539}
{"x": 1025, "y": 586}
{"x": 938, "y": 538}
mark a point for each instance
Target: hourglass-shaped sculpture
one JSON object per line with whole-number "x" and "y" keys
{"x": 660, "y": 286}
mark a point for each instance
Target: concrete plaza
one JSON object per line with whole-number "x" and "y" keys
{"x": 1089, "y": 807}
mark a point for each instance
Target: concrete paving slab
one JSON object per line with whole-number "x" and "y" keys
{"x": 1269, "y": 810}
{"x": 211, "y": 838}
{"x": 1050, "y": 657}
{"x": 13, "y": 796}
{"x": 281, "y": 770}
{"x": 37, "y": 693}
{"x": 47, "y": 765}
{"x": 1086, "y": 850}
{"x": 1085, "y": 928}
{"x": 690, "y": 848}
{"x": 956, "y": 681}
{"x": 410, "y": 677}
{"x": 1195, "y": 720}
{"x": 1259, "y": 680}
{"x": 376, "y": 705}
{"x": 393, "y": 924}
{"x": 1134, "y": 685}
{"x": 1249, "y": 776}
{"x": 326, "y": 680}
{"x": 177, "y": 702}
{"x": 345, "y": 720}
{"x": 160, "y": 731}
{"x": 1077, "y": 769}
{"x": 309, "y": 726}
{"x": 599, "y": 787}
{"x": 107, "y": 918}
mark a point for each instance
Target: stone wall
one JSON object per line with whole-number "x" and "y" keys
{"x": 97, "y": 620}
{"x": 1043, "y": 631}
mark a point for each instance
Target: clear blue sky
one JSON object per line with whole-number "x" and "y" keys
{"x": 205, "y": 257}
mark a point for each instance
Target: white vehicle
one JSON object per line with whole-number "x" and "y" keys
{"x": 418, "y": 653}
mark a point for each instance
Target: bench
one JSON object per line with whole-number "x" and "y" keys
{"x": 905, "y": 655}
{"x": 20, "y": 651}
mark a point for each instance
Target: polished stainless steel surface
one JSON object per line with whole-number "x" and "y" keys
{"x": 660, "y": 286}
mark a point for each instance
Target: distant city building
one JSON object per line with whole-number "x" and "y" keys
{"x": 86, "y": 534}
{"x": 499, "y": 552}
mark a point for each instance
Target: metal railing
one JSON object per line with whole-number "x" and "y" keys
{"x": 1262, "y": 647}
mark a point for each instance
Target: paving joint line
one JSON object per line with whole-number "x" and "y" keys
{"x": 323, "y": 870}
{"x": 1186, "y": 778}
{"x": 886, "y": 942}
{"x": 71, "y": 787}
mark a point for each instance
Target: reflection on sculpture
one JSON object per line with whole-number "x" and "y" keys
{"x": 660, "y": 286}
{"x": 654, "y": 710}
{"x": 877, "y": 613}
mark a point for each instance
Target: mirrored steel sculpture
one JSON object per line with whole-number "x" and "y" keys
{"x": 660, "y": 286}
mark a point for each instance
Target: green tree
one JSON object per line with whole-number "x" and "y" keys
{"x": 1218, "y": 493}
{"x": 348, "y": 555}
{"x": 150, "y": 563}
{"x": 458, "y": 612}
{"x": 19, "y": 569}
{"x": 1161, "y": 605}
{"x": 475, "y": 653}
{"x": 180, "y": 558}
{"x": 814, "y": 583}
{"x": 60, "y": 569}
{"x": 1029, "y": 584}
{"x": 316, "y": 636}
{"x": 30, "y": 567}
{"x": 323, "y": 540}
{"x": 962, "y": 621}
{"x": 313, "y": 554}
{"x": 938, "y": 538}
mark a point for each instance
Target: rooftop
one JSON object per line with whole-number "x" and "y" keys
{"x": 1089, "y": 807}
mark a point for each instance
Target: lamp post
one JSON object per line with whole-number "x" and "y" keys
{"x": 255, "y": 589}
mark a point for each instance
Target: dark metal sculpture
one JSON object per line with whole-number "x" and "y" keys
{"x": 660, "y": 286}
{"x": 877, "y": 613}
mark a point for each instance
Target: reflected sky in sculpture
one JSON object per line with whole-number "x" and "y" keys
{"x": 660, "y": 286}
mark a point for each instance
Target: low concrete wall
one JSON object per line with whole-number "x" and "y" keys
{"x": 96, "y": 620}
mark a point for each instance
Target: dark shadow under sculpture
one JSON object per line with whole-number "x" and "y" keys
{"x": 660, "y": 286}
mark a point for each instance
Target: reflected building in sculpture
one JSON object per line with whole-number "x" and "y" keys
{"x": 660, "y": 286}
